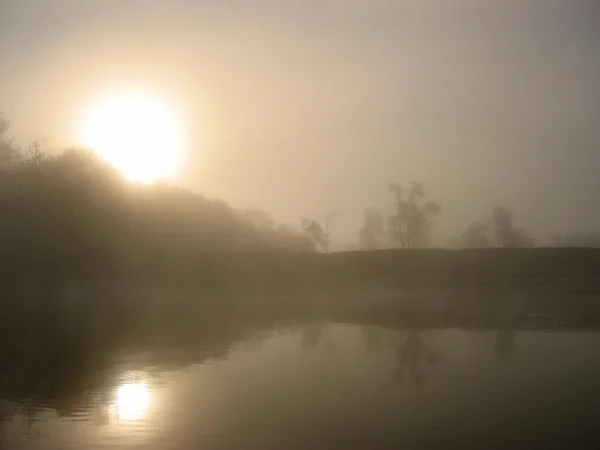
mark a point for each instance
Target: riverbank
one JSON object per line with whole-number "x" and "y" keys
{"x": 295, "y": 270}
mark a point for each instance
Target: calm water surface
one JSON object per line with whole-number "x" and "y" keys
{"x": 330, "y": 385}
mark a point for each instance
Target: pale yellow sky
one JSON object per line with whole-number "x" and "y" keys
{"x": 304, "y": 107}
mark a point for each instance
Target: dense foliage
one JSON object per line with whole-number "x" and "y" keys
{"x": 73, "y": 212}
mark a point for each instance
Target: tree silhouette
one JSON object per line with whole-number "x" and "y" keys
{"x": 477, "y": 235}
{"x": 320, "y": 234}
{"x": 410, "y": 225}
{"x": 507, "y": 235}
{"x": 371, "y": 231}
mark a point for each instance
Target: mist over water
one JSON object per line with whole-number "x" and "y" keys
{"x": 428, "y": 366}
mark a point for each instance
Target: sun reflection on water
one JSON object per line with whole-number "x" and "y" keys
{"x": 133, "y": 401}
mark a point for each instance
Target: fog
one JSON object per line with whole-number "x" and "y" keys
{"x": 304, "y": 108}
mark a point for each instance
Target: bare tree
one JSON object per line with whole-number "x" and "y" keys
{"x": 36, "y": 155}
{"x": 477, "y": 235}
{"x": 507, "y": 235}
{"x": 410, "y": 225}
{"x": 320, "y": 234}
{"x": 371, "y": 231}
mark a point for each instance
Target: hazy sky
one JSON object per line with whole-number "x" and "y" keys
{"x": 301, "y": 107}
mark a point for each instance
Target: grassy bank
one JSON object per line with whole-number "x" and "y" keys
{"x": 571, "y": 268}
{"x": 391, "y": 266}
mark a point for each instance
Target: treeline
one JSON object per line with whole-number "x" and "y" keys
{"x": 411, "y": 221}
{"x": 408, "y": 226}
{"x": 72, "y": 212}
{"x": 413, "y": 217}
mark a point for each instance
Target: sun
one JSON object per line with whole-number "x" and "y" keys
{"x": 137, "y": 133}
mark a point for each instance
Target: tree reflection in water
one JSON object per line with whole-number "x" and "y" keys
{"x": 373, "y": 338}
{"x": 504, "y": 348}
{"x": 411, "y": 354}
{"x": 313, "y": 335}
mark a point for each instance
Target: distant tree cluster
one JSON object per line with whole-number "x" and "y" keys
{"x": 373, "y": 230}
{"x": 317, "y": 233}
{"x": 477, "y": 235}
{"x": 506, "y": 233}
{"x": 409, "y": 225}
{"x": 72, "y": 209}
{"x": 499, "y": 232}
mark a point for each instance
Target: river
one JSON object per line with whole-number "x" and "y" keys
{"x": 315, "y": 385}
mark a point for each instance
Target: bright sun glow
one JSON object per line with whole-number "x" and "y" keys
{"x": 136, "y": 133}
{"x": 133, "y": 401}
